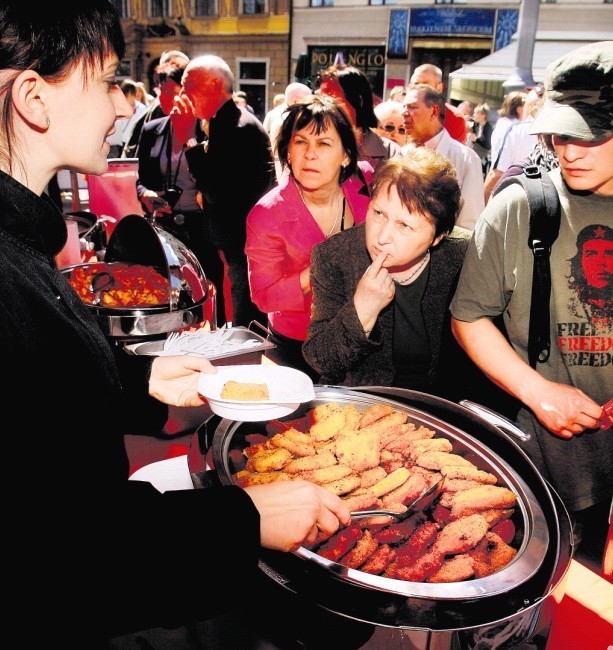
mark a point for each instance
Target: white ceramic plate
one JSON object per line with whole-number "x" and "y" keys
{"x": 287, "y": 388}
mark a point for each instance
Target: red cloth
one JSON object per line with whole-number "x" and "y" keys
{"x": 455, "y": 123}
{"x": 584, "y": 617}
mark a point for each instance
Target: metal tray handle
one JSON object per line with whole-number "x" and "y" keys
{"x": 497, "y": 420}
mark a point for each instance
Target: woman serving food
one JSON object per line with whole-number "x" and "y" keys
{"x": 72, "y": 519}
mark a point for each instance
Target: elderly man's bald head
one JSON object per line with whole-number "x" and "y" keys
{"x": 296, "y": 92}
{"x": 208, "y": 83}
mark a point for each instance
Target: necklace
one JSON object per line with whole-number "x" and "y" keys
{"x": 341, "y": 209}
{"x": 415, "y": 272}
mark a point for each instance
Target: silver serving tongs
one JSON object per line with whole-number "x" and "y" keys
{"x": 100, "y": 282}
{"x": 426, "y": 498}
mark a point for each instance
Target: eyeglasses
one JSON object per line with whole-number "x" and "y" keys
{"x": 390, "y": 128}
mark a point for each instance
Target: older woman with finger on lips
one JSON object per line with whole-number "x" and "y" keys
{"x": 381, "y": 291}
{"x": 325, "y": 193}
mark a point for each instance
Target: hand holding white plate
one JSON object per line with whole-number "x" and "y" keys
{"x": 287, "y": 389}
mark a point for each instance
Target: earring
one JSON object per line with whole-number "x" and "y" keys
{"x": 47, "y": 121}
{"x": 344, "y": 165}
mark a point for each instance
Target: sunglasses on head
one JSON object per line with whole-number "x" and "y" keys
{"x": 390, "y": 129}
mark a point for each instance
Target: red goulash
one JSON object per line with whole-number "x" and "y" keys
{"x": 134, "y": 285}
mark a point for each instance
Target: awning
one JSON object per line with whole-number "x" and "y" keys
{"x": 482, "y": 80}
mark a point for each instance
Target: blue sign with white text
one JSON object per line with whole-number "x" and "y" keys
{"x": 452, "y": 21}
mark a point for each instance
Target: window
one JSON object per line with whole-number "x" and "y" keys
{"x": 253, "y": 79}
{"x": 160, "y": 9}
{"x": 251, "y": 7}
{"x": 382, "y": 2}
{"x": 123, "y": 8}
{"x": 204, "y": 8}
{"x": 322, "y": 3}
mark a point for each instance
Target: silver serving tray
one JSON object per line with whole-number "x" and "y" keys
{"x": 230, "y": 439}
{"x": 249, "y": 355}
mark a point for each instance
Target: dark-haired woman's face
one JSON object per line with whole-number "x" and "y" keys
{"x": 82, "y": 115}
{"x": 169, "y": 89}
{"x": 316, "y": 158}
{"x": 332, "y": 88}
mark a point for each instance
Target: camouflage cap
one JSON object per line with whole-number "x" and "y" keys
{"x": 579, "y": 89}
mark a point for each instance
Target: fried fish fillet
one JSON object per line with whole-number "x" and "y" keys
{"x": 343, "y": 485}
{"x": 327, "y": 474}
{"x": 298, "y": 436}
{"x": 309, "y": 463}
{"x": 245, "y": 478}
{"x": 419, "y": 447}
{"x": 358, "y": 449}
{"x": 374, "y": 413}
{"x": 496, "y": 515}
{"x": 454, "y": 569}
{"x": 371, "y": 476}
{"x": 391, "y": 482}
{"x": 484, "y": 497}
{"x": 361, "y": 499}
{"x": 328, "y": 428}
{"x": 387, "y": 422}
{"x": 322, "y": 446}
{"x": 458, "y": 484}
{"x": 403, "y": 442}
{"x": 322, "y": 412}
{"x": 409, "y": 490}
{"x": 341, "y": 543}
{"x": 352, "y": 418}
{"x": 491, "y": 555}
{"x": 439, "y": 459}
{"x": 420, "y": 541}
{"x": 269, "y": 460}
{"x": 244, "y": 391}
{"x": 461, "y": 535}
{"x": 468, "y": 474}
{"x": 419, "y": 570}
{"x": 295, "y": 447}
{"x": 393, "y": 433}
{"x": 258, "y": 448}
{"x": 363, "y": 550}
{"x": 379, "y": 561}
{"x": 396, "y": 533}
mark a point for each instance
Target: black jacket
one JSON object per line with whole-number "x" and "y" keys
{"x": 234, "y": 172}
{"x": 88, "y": 548}
{"x": 336, "y": 345}
{"x": 153, "y": 142}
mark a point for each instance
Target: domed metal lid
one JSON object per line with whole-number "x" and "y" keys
{"x": 136, "y": 240}
{"x": 137, "y": 243}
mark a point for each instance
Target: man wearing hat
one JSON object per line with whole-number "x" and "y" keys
{"x": 562, "y": 398}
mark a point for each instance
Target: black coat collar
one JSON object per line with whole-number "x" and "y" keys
{"x": 34, "y": 220}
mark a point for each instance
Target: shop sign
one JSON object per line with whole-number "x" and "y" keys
{"x": 450, "y": 21}
{"x": 369, "y": 59}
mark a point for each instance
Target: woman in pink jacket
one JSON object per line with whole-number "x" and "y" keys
{"x": 324, "y": 192}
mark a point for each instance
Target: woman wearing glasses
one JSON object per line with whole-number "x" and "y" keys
{"x": 381, "y": 290}
{"x": 391, "y": 123}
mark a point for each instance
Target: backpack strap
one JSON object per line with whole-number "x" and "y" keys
{"x": 544, "y": 208}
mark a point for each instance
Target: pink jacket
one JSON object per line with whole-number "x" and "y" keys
{"x": 280, "y": 235}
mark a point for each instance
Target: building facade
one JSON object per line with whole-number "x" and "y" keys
{"x": 252, "y": 36}
{"x": 269, "y": 43}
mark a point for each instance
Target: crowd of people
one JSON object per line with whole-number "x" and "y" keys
{"x": 370, "y": 254}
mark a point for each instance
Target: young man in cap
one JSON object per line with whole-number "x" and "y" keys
{"x": 562, "y": 398}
